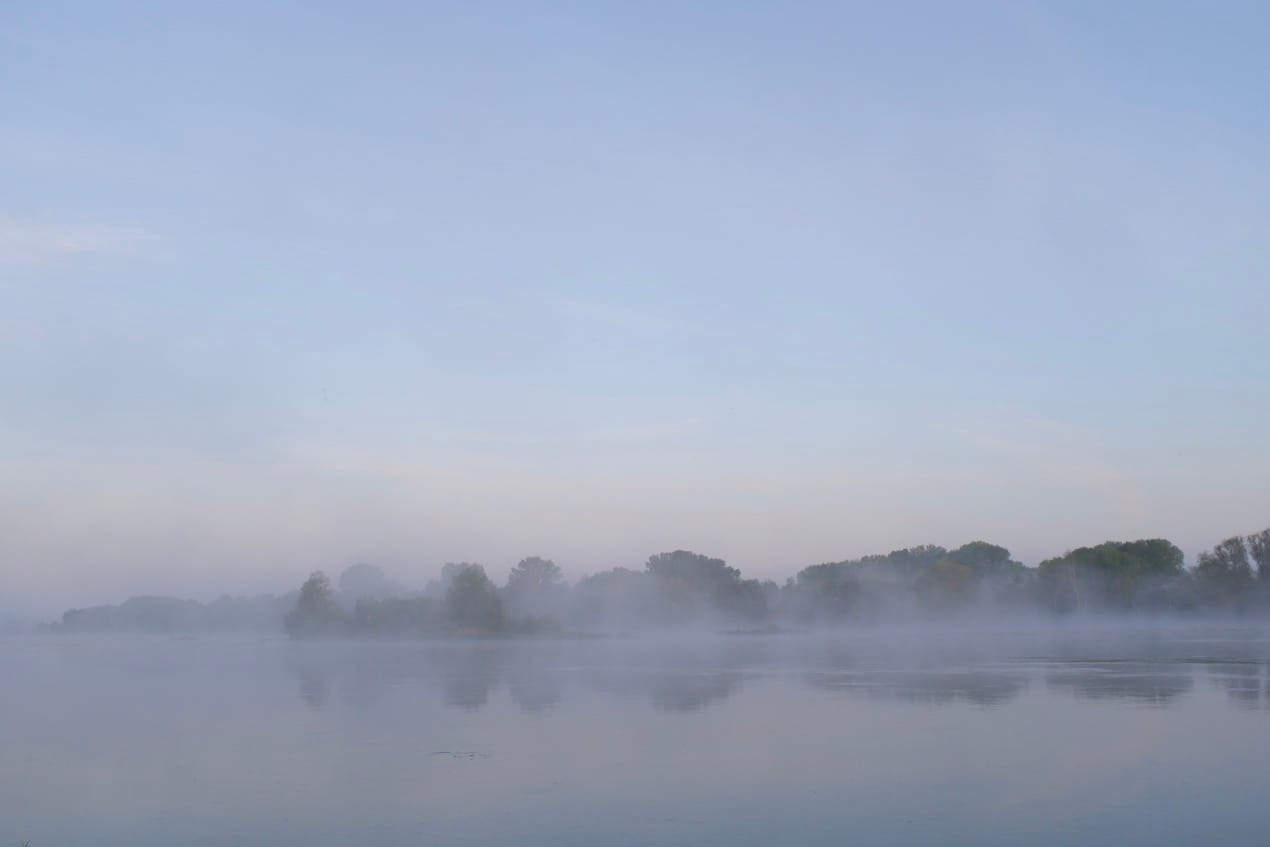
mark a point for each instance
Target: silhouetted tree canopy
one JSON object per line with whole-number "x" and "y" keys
{"x": 472, "y": 601}
{"x": 315, "y": 612}
{"x": 682, "y": 588}
{"x": 1115, "y": 574}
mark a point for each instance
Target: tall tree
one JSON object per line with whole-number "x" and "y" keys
{"x": 533, "y": 575}
{"x": 315, "y": 612}
{"x": 536, "y": 588}
{"x": 472, "y": 601}
{"x": 1227, "y": 563}
{"x": 1259, "y": 549}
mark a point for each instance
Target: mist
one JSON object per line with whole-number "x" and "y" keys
{"x": 574, "y": 424}
{"x": 681, "y": 591}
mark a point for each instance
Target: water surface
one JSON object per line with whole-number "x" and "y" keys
{"x": 1127, "y": 736}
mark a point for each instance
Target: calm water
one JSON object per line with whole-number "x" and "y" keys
{"x": 1126, "y": 737}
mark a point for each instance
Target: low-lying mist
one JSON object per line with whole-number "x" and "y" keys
{"x": 975, "y": 584}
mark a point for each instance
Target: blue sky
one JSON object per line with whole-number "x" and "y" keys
{"x": 286, "y": 286}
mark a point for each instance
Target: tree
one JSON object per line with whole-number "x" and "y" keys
{"x": 534, "y": 575}
{"x": 1120, "y": 574}
{"x": 827, "y": 592}
{"x": 983, "y": 559}
{"x": 535, "y": 587}
{"x": 315, "y": 612}
{"x": 946, "y": 585}
{"x": 367, "y": 581}
{"x": 396, "y": 616}
{"x": 619, "y": 599}
{"x": 1226, "y": 570}
{"x": 690, "y": 583}
{"x": 472, "y": 602}
{"x": 1259, "y": 549}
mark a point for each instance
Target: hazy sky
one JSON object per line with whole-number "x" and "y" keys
{"x": 292, "y": 287}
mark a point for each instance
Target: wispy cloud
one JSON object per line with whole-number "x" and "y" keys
{"x": 29, "y": 242}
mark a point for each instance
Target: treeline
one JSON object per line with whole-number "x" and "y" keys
{"x": 682, "y": 589}
{"x": 156, "y": 614}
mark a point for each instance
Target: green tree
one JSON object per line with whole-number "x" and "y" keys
{"x": 1119, "y": 574}
{"x": 689, "y": 584}
{"x": 984, "y": 559}
{"x": 1226, "y": 572}
{"x": 946, "y": 585}
{"x": 1259, "y": 549}
{"x": 315, "y": 612}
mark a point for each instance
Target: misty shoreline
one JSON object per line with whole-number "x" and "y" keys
{"x": 977, "y": 584}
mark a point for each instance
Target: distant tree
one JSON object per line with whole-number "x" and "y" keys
{"x": 160, "y": 614}
{"x": 440, "y": 586}
{"x": 1226, "y": 572}
{"x": 1259, "y": 549}
{"x": 861, "y": 589}
{"x": 618, "y": 599}
{"x": 910, "y": 562}
{"x": 984, "y": 559}
{"x": 1227, "y": 561}
{"x": 749, "y": 601}
{"x": 684, "y": 566}
{"x": 823, "y": 593}
{"x": 472, "y": 601}
{"x": 946, "y": 585}
{"x": 397, "y": 616}
{"x": 690, "y": 584}
{"x": 315, "y": 612}
{"x": 536, "y": 589}
{"x": 1114, "y": 574}
{"x": 92, "y": 619}
{"x": 533, "y": 575}
{"x": 367, "y": 581}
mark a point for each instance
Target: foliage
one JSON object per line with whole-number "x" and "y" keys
{"x": 1116, "y": 574}
{"x": 536, "y": 589}
{"x": 397, "y": 616}
{"x": 682, "y": 588}
{"x": 472, "y": 602}
{"x": 1259, "y": 549}
{"x": 315, "y": 612}
{"x": 367, "y": 581}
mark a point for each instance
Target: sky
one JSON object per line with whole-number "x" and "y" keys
{"x": 288, "y": 286}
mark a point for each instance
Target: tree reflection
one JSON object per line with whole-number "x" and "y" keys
{"x": 315, "y": 687}
{"x": 691, "y": 692}
{"x": 538, "y": 676}
{"x": 535, "y": 688}
{"x": 1246, "y": 683}
{"x": 937, "y": 687}
{"x": 1142, "y": 683}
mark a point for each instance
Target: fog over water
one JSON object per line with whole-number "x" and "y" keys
{"x": 1138, "y": 735}
{"x": 575, "y": 424}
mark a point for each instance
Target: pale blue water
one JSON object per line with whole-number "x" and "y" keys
{"x": 1127, "y": 737}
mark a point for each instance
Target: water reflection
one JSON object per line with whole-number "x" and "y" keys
{"x": 1149, "y": 670}
{"x": 1145, "y": 684}
{"x": 535, "y": 688}
{"x": 689, "y": 692}
{"x": 536, "y": 677}
{"x": 977, "y": 687}
{"x": 1246, "y": 683}
{"x": 315, "y": 687}
{"x": 901, "y": 738}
